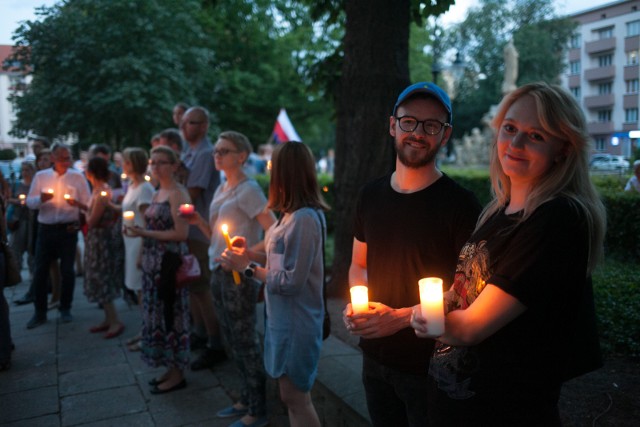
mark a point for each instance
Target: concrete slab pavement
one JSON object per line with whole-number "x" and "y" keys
{"x": 62, "y": 375}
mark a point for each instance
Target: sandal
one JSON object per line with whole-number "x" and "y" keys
{"x": 133, "y": 340}
{"x": 135, "y": 346}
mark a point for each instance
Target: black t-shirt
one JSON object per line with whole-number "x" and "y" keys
{"x": 514, "y": 376}
{"x": 408, "y": 237}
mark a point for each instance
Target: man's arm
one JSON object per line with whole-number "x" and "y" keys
{"x": 358, "y": 268}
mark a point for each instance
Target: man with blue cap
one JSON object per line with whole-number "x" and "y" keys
{"x": 409, "y": 224}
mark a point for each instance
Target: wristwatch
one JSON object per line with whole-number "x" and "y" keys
{"x": 250, "y": 270}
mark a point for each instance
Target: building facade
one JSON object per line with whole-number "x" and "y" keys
{"x": 604, "y": 71}
{"x": 11, "y": 82}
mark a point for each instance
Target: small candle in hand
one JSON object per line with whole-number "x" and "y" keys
{"x": 22, "y": 198}
{"x": 147, "y": 178}
{"x": 432, "y": 305}
{"x": 128, "y": 218}
{"x": 225, "y": 234}
{"x": 67, "y": 196}
{"x": 186, "y": 209}
{"x": 103, "y": 193}
{"x": 50, "y": 190}
{"x": 123, "y": 176}
{"x": 359, "y": 299}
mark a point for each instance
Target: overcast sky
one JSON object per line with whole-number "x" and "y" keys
{"x": 14, "y": 11}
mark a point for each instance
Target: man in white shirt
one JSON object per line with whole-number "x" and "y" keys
{"x": 58, "y": 225}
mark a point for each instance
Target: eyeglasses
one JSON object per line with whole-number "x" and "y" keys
{"x": 194, "y": 122}
{"x": 430, "y": 126}
{"x": 159, "y": 162}
{"x": 223, "y": 151}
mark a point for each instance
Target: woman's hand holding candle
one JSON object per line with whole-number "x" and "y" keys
{"x": 225, "y": 233}
{"x": 431, "y": 320}
{"x": 186, "y": 210}
{"x": 128, "y": 218}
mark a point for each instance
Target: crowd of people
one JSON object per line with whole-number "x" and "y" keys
{"x": 518, "y": 313}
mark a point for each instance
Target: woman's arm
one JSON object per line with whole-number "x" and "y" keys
{"x": 96, "y": 209}
{"x": 180, "y": 229}
{"x": 490, "y": 312}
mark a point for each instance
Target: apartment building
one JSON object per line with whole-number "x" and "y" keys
{"x": 10, "y": 81}
{"x": 604, "y": 72}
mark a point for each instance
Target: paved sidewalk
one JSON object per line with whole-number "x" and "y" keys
{"x": 62, "y": 375}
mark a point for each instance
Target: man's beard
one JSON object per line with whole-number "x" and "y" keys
{"x": 418, "y": 160}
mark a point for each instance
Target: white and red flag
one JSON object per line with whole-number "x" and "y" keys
{"x": 283, "y": 130}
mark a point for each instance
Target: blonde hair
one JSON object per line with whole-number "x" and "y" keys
{"x": 560, "y": 116}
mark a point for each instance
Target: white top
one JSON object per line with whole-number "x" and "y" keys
{"x": 57, "y": 210}
{"x": 133, "y": 199}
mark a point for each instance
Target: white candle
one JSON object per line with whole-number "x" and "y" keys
{"x": 128, "y": 218}
{"x": 359, "y": 299}
{"x": 432, "y": 305}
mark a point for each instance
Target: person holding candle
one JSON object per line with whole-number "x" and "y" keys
{"x": 202, "y": 181}
{"x": 293, "y": 278}
{"x": 520, "y": 315}
{"x": 104, "y": 276}
{"x": 19, "y": 217}
{"x": 58, "y": 224}
{"x": 240, "y": 205}
{"x": 165, "y": 329}
{"x": 136, "y": 201}
{"x": 409, "y": 224}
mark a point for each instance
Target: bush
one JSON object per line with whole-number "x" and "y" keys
{"x": 7, "y": 154}
{"x": 616, "y": 290}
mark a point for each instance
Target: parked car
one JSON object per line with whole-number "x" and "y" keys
{"x": 608, "y": 162}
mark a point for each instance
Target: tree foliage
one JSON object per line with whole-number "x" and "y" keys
{"x": 109, "y": 71}
{"x": 539, "y": 36}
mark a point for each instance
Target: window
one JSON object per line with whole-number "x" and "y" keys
{"x": 633, "y": 28}
{"x": 605, "y": 60}
{"x": 605, "y": 88}
{"x": 631, "y": 115}
{"x": 574, "y": 67}
{"x": 576, "y": 41}
{"x": 632, "y": 86}
{"x": 632, "y": 57}
{"x": 604, "y": 116}
{"x": 600, "y": 144}
{"x": 575, "y": 91}
{"x": 604, "y": 33}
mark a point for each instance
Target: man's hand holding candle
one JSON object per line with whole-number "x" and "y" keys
{"x": 379, "y": 321}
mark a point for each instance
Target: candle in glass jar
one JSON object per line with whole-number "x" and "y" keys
{"x": 128, "y": 218}
{"x": 186, "y": 209}
{"x": 225, "y": 234}
{"x": 432, "y": 305}
{"x": 359, "y": 299}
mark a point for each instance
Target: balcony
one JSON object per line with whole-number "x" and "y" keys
{"x": 600, "y": 128}
{"x": 597, "y": 101}
{"x": 631, "y": 72}
{"x": 600, "y": 73}
{"x": 630, "y": 101}
{"x": 600, "y": 45}
{"x": 627, "y": 127}
{"x": 631, "y": 43}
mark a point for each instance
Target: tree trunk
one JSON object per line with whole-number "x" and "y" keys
{"x": 375, "y": 70}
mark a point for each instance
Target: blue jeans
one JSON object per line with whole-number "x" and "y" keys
{"x": 394, "y": 398}
{"x": 56, "y": 241}
{"x": 5, "y": 326}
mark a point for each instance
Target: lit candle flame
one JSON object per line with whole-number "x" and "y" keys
{"x": 50, "y": 191}
{"x": 325, "y": 189}
{"x": 147, "y": 178}
{"x": 123, "y": 176}
{"x": 67, "y": 196}
{"x": 103, "y": 193}
{"x": 22, "y": 197}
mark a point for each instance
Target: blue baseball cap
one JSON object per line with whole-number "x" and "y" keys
{"x": 430, "y": 89}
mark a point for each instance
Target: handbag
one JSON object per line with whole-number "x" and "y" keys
{"x": 12, "y": 275}
{"x": 189, "y": 270}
